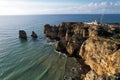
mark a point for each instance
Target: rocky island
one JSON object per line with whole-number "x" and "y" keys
{"x": 96, "y": 44}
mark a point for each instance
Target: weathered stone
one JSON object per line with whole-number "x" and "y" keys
{"x": 61, "y": 46}
{"x": 51, "y": 31}
{"x": 68, "y": 35}
{"x": 81, "y": 30}
{"x": 93, "y": 31}
{"x": 74, "y": 45}
{"x": 102, "y": 55}
{"x": 22, "y": 34}
{"x": 91, "y": 75}
{"x": 34, "y": 35}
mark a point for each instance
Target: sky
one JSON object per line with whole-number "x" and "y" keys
{"x": 30, "y": 7}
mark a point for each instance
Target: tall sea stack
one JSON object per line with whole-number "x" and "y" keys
{"x": 22, "y": 34}
{"x": 34, "y": 35}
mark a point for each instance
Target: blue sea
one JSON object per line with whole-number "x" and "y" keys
{"x": 36, "y": 59}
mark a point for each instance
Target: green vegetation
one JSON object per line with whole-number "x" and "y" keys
{"x": 110, "y": 47}
{"x": 117, "y": 36}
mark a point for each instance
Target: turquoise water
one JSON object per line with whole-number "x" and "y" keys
{"x": 35, "y": 59}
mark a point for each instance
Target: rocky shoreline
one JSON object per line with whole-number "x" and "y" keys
{"x": 95, "y": 46}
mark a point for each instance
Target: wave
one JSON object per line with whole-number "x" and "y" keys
{"x": 60, "y": 53}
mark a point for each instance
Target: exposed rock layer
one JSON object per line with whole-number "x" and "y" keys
{"x": 34, "y": 35}
{"x": 102, "y": 55}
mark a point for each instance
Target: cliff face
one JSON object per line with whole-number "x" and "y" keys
{"x": 73, "y": 45}
{"x": 70, "y": 36}
{"x": 95, "y": 44}
{"x": 102, "y": 55}
{"x": 51, "y": 31}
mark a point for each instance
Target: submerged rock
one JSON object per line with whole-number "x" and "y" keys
{"x": 22, "y": 34}
{"x": 34, "y": 35}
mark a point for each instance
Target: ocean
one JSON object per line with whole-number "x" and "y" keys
{"x": 36, "y": 59}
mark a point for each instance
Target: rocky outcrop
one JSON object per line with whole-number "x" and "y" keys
{"x": 81, "y": 30}
{"x": 94, "y": 43}
{"x": 73, "y": 45}
{"x": 70, "y": 36}
{"x": 61, "y": 46}
{"x": 98, "y": 31}
{"x": 22, "y": 34}
{"x": 34, "y": 35}
{"x": 51, "y": 31}
{"x": 102, "y": 55}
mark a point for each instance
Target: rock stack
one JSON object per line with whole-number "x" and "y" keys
{"x": 34, "y": 35}
{"x": 22, "y": 34}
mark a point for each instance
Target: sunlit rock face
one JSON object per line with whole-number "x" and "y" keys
{"x": 91, "y": 75}
{"x": 102, "y": 55}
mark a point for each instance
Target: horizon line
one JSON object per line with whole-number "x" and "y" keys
{"x": 58, "y": 14}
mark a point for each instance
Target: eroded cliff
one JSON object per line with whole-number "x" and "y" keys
{"x": 102, "y": 55}
{"x": 99, "y": 47}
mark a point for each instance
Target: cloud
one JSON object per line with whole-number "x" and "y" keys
{"x": 25, "y": 7}
{"x": 103, "y": 7}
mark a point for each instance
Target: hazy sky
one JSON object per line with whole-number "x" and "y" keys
{"x": 21, "y": 7}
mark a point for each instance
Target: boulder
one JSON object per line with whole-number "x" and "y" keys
{"x": 34, "y": 35}
{"x": 22, "y": 34}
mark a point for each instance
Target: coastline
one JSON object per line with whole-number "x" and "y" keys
{"x": 72, "y": 36}
{"x": 20, "y": 57}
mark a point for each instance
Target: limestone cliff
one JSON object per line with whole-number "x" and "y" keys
{"x": 98, "y": 45}
{"x": 102, "y": 55}
{"x": 70, "y": 36}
